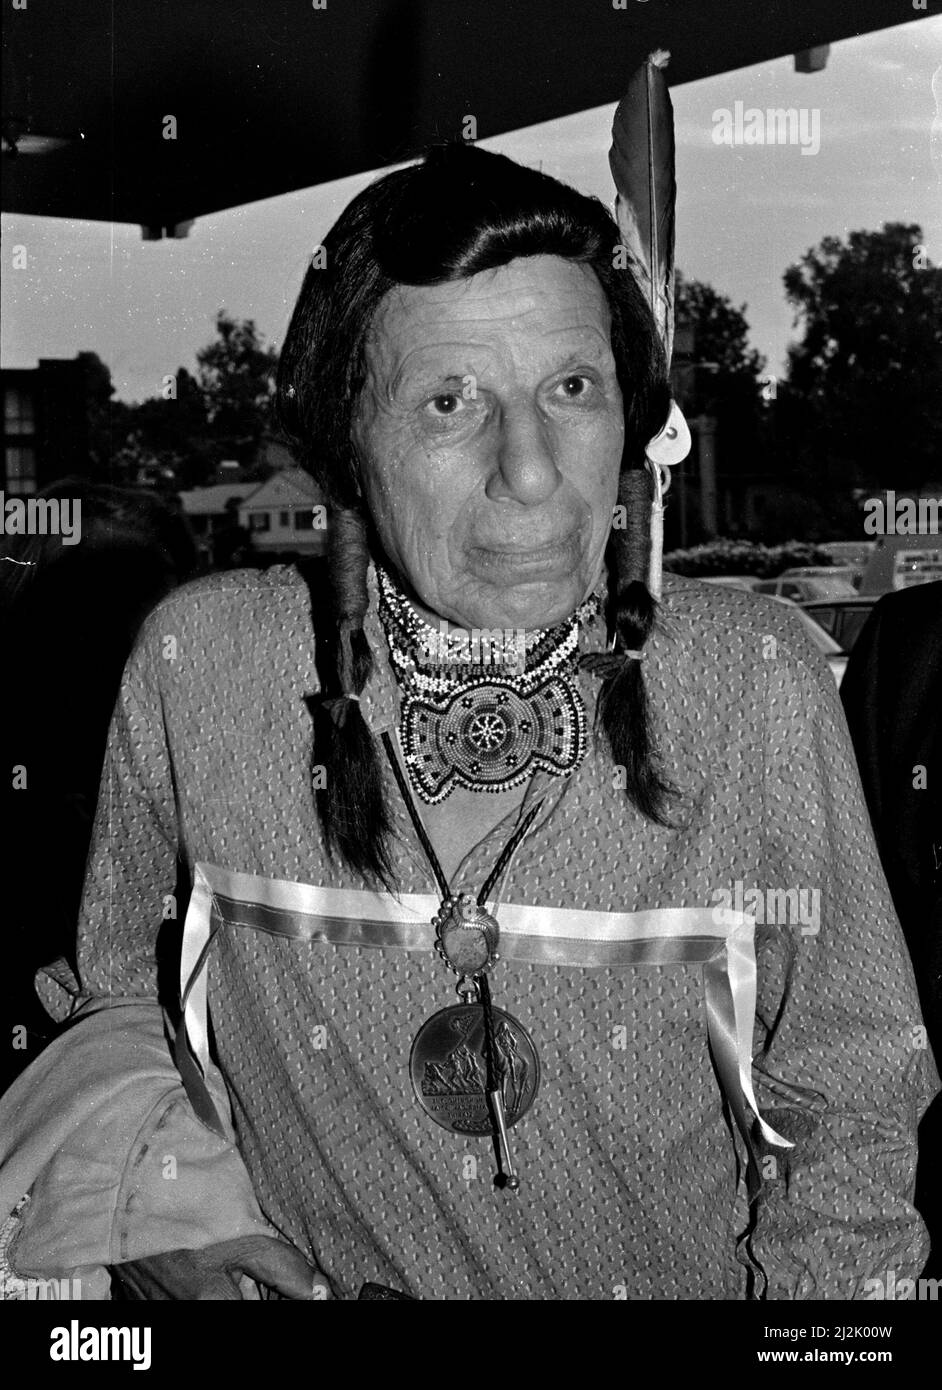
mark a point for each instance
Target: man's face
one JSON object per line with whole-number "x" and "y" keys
{"x": 490, "y": 434}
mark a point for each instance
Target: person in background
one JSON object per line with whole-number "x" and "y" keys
{"x": 69, "y": 614}
{"x": 892, "y": 696}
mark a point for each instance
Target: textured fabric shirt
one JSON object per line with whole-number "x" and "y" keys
{"x": 627, "y": 1157}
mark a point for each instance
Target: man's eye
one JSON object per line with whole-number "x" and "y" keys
{"x": 449, "y": 403}
{"x": 574, "y": 386}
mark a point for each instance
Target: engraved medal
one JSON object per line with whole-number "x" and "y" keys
{"x": 448, "y": 1066}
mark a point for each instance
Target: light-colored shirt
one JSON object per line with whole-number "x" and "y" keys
{"x": 631, "y": 1175}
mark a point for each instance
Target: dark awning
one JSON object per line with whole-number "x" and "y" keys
{"x": 274, "y": 95}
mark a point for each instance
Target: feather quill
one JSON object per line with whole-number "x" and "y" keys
{"x": 642, "y": 164}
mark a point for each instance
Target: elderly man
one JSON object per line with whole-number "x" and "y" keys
{"x": 572, "y": 975}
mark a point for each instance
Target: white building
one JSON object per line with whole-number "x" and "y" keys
{"x": 286, "y": 513}
{"x": 212, "y": 510}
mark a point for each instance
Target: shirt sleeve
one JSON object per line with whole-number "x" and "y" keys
{"x": 99, "y": 1130}
{"x": 842, "y": 1066}
{"x": 130, "y": 878}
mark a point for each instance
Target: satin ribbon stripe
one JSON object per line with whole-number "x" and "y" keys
{"x": 722, "y": 942}
{"x": 524, "y": 941}
{"x": 241, "y": 894}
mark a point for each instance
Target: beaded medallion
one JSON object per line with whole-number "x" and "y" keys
{"x": 474, "y": 723}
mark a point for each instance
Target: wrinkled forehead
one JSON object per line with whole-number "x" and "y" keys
{"x": 543, "y": 306}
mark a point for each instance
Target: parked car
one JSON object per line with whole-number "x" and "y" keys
{"x": 831, "y": 650}
{"x": 842, "y": 618}
{"x": 853, "y": 553}
{"x": 898, "y": 562}
{"x": 803, "y": 585}
{"x": 733, "y": 581}
{"x": 846, "y": 572}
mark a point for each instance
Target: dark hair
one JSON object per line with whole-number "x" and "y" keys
{"x": 461, "y": 211}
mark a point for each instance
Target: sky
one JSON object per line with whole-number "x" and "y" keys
{"x": 744, "y": 213}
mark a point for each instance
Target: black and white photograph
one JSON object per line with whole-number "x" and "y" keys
{"x": 471, "y": 713}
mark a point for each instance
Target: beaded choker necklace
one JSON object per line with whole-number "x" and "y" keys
{"x": 484, "y": 710}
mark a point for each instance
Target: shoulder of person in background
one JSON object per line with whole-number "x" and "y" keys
{"x": 892, "y": 697}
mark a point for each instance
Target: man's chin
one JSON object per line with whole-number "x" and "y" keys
{"x": 531, "y": 603}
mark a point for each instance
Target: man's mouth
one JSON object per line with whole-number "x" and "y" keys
{"x": 527, "y": 561}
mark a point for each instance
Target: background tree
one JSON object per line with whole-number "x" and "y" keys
{"x": 722, "y": 330}
{"x": 716, "y": 373}
{"x": 224, "y": 412}
{"x": 99, "y": 390}
{"x": 236, "y": 377}
{"x": 725, "y": 378}
{"x": 863, "y": 405}
{"x": 170, "y": 432}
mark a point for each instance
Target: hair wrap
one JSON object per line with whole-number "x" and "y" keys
{"x": 351, "y": 798}
{"x": 622, "y": 709}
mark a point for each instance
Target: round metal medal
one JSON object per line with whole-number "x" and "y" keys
{"x": 449, "y": 1071}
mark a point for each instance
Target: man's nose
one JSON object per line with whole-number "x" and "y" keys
{"x": 526, "y": 469}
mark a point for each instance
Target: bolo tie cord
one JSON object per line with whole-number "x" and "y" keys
{"x": 443, "y": 884}
{"x": 506, "y": 1177}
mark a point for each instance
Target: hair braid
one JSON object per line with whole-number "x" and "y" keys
{"x": 622, "y": 707}
{"x": 351, "y": 804}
